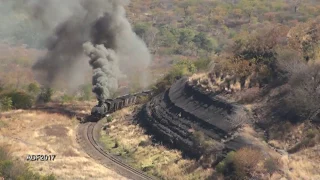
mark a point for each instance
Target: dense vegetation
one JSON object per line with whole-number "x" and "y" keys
{"x": 27, "y": 97}
{"x": 244, "y": 37}
{"x": 194, "y": 28}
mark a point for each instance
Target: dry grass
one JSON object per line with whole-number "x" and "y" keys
{"x": 202, "y": 80}
{"x": 248, "y": 95}
{"x": 286, "y": 135}
{"x": 303, "y": 165}
{"x": 303, "y": 140}
{"x": 247, "y": 161}
{"x": 37, "y": 132}
{"x": 129, "y": 140}
{"x": 211, "y": 82}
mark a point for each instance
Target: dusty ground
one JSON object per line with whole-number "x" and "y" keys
{"x": 305, "y": 163}
{"x": 39, "y": 132}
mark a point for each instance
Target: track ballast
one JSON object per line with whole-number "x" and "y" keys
{"x": 87, "y": 137}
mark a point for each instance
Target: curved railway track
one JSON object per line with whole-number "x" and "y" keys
{"x": 87, "y": 137}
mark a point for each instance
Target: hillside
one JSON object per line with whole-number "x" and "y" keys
{"x": 234, "y": 80}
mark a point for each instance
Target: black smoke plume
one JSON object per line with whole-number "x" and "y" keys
{"x": 97, "y": 27}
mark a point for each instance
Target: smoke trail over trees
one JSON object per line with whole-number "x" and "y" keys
{"x": 99, "y": 27}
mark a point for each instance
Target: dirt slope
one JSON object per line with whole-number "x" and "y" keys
{"x": 37, "y": 132}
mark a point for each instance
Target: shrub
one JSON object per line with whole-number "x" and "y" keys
{"x": 67, "y": 98}
{"x": 208, "y": 148}
{"x": 169, "y": 36}
{"x": 303, "y": 98}
{"x": 109, "y": 119}
{"x": 186, "y": 36}
{"x": 180, "y": 68}
{"x": 311, "y": 138}
{"x": 140, "y": 29}
{"x": 5, "y": 104}
{"x": 220, "y": 168}
{"x": 271, "y": 165}
{"x": 5, "y": 168}
{"x": 202, "y": 64}
{"x": 224, "y": 166}
{"x": 20, "y": 100}
{"x": 45, "y": 95}
{"x": 246, "y": 161}
{"x": 33, "y": 89}
{"x": 145, "y": 143}
{"x": 202, "y": 41}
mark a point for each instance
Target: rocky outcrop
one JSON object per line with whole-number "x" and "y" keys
{"x": 175, "y": 115}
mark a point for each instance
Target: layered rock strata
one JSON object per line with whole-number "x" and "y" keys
{"x": 175, "y": 115}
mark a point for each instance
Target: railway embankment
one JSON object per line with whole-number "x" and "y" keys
{"x": 179, "y": 114}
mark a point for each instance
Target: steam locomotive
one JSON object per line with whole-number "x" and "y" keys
{"x": 111, "y": 105}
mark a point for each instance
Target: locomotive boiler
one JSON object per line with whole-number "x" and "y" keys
{"x": 111, "y": 105}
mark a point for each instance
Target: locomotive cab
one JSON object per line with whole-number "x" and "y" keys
{"x": 99, "y": 110}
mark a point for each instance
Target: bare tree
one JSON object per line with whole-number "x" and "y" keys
{"x": 296, "y": 4}
{"x": 304, "y": 96}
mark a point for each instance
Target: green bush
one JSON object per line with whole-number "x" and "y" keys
{"x": 33, "y": 89}
{"x": 20, "y": 100}
{"x": 109, "y": 119}
{"x": 5, "y": 168}
{"x": 46, "y": 95}
{"x": 141, "y": 29}
{"x": 67, "y": 98}
{"x": 220, "y": 168}
{"x": 202, "y": 64}
{"x": 202, "y": 41}
{"x": 186, "y": 36}
{"x": 180, "y": 68}
{"x": 5, "y": 103}
{"x": 169, "y": 36}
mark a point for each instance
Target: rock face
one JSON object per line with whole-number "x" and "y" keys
{"x": 176, "y": 114}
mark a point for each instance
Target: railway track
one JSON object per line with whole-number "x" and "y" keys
{"x": 87, "y": 137}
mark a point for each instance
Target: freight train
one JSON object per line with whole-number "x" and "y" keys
{"x": 111, "y": 105}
